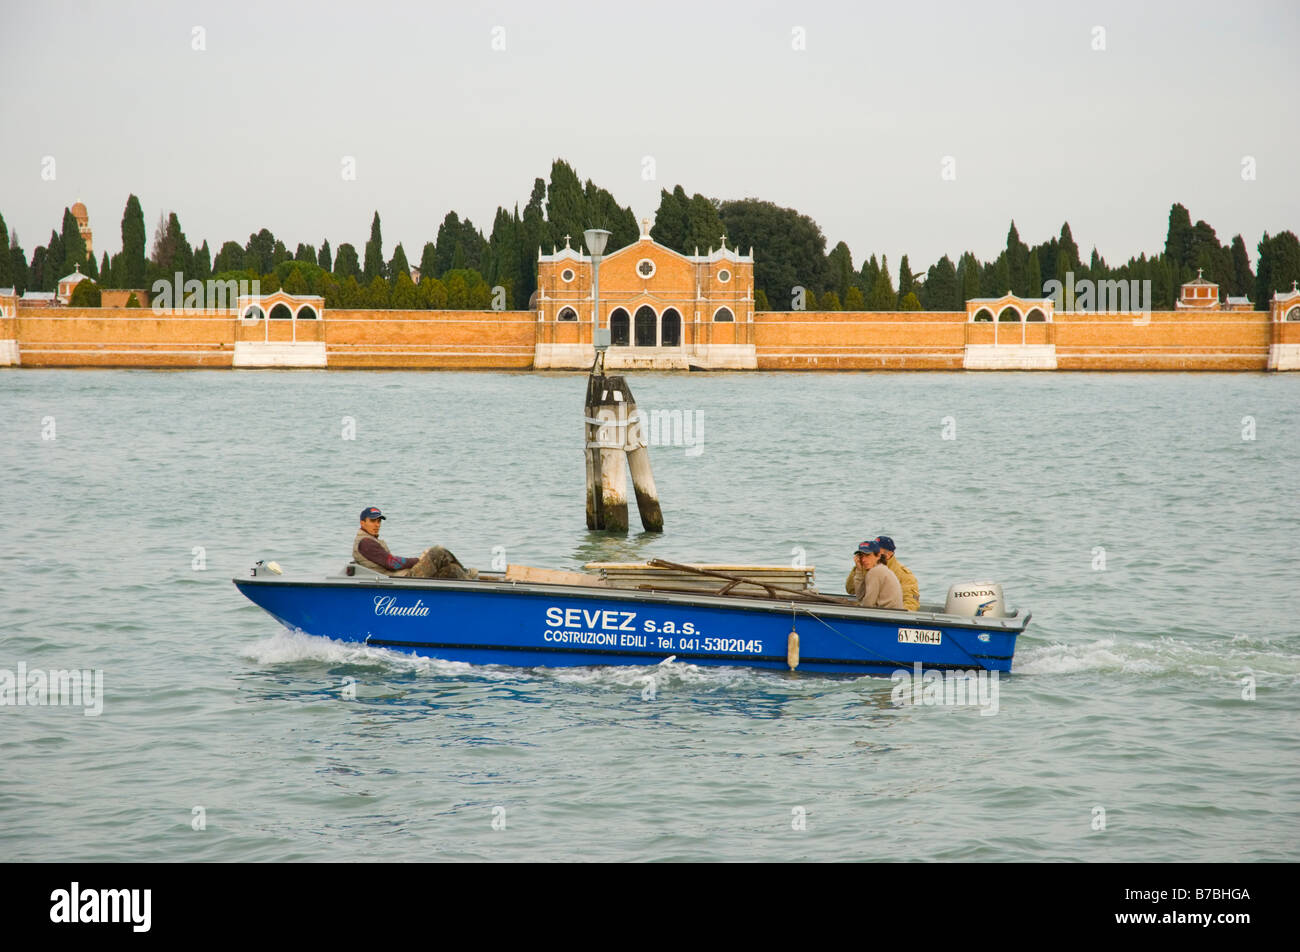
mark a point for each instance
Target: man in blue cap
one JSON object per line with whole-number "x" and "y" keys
{"x": 877, "y": 586}
{"x": 372, "y": 552}
{"x": 911, "y": 589}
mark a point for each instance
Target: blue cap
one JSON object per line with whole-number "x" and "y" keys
{"x": 869, "y": 546}
{"x": 372, "y": 513}
{"x": 885, "y": 542}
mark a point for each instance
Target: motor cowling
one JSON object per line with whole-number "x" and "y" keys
{"x": 977, "y": 599}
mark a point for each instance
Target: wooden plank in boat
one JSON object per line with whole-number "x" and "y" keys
{"x": 528, "y": 573}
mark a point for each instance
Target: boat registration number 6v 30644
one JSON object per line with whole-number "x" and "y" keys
{"x": 919, "y": 636}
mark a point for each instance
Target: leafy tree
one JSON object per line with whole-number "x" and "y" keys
{"x": 171, "y": 250}
{"x": 854, "y": 301}
{"x": 19, "y": 274}
{"x": 1243, "y": 278}
{"x": 910, "y": 302}
{"x": 377, "y": 293}
{"x": 432, "y": 294}
{"x": 85, "y": 294}
{"x": 1178, "y": 238}
{"x": 789, "y": 248}
{"x": 1034, "y": 277}
{"x": 404, "y": 295}
{"x": 942, "y": 292}
{"x": 132, "y": 300}
{"x": 566, "y": 204}
{"x": 6, "y": 259}
{"x": 229, "y": 258}
{"x": 346, "y": 264}
{"x": 374, "y": 267}
{"x": 398, "y": 267}
{"x": 133, "y": 238}
{"x": 1279, "y": 265}
{"x": 906, "y": 282}
{"x": 457, "y": 292}
{"x": 968, "y": 273}
{"x": 830, "y": 301}
{"x": 305, "y": 253}
{"x": 503, "y": 247}
{"x": 295, "y": 282}
{"x": 882, "y": 296}
{"x": 279, "y": 254}
{"x": 323, "y": 259}
{"x": 839, "y": 270}
{"x": 670, "y": 220}
{"x": 259, "y": 253}
{"x": 203, "y": 262}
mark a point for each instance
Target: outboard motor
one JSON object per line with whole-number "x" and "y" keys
{"x": 979, "y": 599}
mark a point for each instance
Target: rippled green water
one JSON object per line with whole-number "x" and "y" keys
{"x": 1127, "y": 694}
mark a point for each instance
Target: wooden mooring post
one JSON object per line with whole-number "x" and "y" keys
{"x": 615, "y": 441}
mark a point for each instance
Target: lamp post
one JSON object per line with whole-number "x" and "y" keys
{"x": 595, "y": 239}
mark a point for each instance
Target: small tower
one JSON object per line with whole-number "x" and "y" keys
{"x": 83, "y": 225}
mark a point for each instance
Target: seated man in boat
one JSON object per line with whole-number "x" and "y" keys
{"x": 911, "y": 590}
{"x": 371, "y": 551}
{"x": 877, "y": 586}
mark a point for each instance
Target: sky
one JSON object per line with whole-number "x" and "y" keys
{"x": 902, "y": 128}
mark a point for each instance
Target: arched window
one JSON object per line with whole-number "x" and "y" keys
{"x": 1293, "y": 314}
{"x": 723, "y": 314}
{"x": 646, "y": 326}
{"x": 1036, "y": 315}
{"x": 1009, "y": 314}
{"x": 281, "y": 312}
{"x": 306, "y": 313}
{"x": 568, "y": 314}
{"x": 672, "y": 328}
{"x": 982, "y": 315}
{"x": 253, "y": 313}
{"x": 619, "y": 323}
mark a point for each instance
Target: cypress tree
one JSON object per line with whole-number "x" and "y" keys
{"x": 398, "y": 267}
{"x": 279, "y": 254}
{"x": 36, "y": 274}
{"x": 566, "y": 204}
{"x": 374, "y": 267}
{"x": 533, "y": 232}
{"x": 18, "y": 260}
{"x": 6, "y": 259}
{"x": 305, "y": 253}
{"x": 853, "y": 300}
{"x": 970, "y": 277}
{"x": 941, "y": 291}
{"x": 106, "y": 273}
{"x": 1034, "y": 277}
{"x": 229, "y": 258}
{"x": 670, "y": 220}
{"x": 133, "y": 238}
{"x": 906, "y": 282}
{"x": 1178, "y": 239}
{"x": 203, "y": 262}
{"x": 53, "y": 269}
{"x": 882, "y": 296}
{"x": 1071, "y": 252}
{"x": 346, "y": 266}
{"x": 445, "y": 246}
{"x": 839, "y": 266}
{"x": 323, "y": 259}
{"x": 1017, "y": 258}
{"x": 74, "y": 246}
{"x": 429, "y": 261}
{"x": 1242, "y": 275}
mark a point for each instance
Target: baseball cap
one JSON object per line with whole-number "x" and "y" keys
{"x": 372, "y": 513}
{"x": 870, "y": 545}
{"x": 885, "y": 542}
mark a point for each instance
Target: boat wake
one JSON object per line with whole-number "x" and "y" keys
{"x": 1163, "y": 656}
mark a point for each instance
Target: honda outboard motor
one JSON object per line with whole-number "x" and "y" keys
{"x": 979, "y": 599}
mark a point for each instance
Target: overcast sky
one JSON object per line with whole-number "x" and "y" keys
{"x": 852, "y": 130}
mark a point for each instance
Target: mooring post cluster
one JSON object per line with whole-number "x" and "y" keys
{"x": 616, "y": 442}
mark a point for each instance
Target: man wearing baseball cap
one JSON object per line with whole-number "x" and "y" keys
{"x": 911, "y": 590}
{"x": 877, "y": 586}
{"x": 372, "y": 552}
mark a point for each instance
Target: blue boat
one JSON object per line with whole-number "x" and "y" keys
{"x": 497, "y": 620}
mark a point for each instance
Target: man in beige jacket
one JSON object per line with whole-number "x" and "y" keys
{"x": 877, "y": 586}
{"x": 911, "y": 590}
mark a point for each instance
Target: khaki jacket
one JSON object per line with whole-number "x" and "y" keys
{"x": 360, "y": 559}
{"x": 911, "y": 589}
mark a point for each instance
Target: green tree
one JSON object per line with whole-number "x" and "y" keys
{"x": 133, "y": 240}
{"x": 374, "y": 266}
{"x": 882, "y": 296}
{"x": 854, "y": 301}
{"x": 1178, "y": 238}
{"x": 132, "y": 300}
{"x": 1242, "y": 276}
{"x": 36, "y": 273}
{"x": 968, "y": 276}
{"x": 404, "y": 294}
{"x": 566, "y": 204}
{"x": 760, "y": 300}
{"x": 910, "y": 302}
{"x": 906, "y": 281}
{"x": 74, "y": 246}
{"x": 19, "y": 274}
{"x": 830, "y": 301}
{"x": 457, "y": 292}
{"x": 433, "y": 294}
{"x": 533, "y": 233}
{"x": 1017, "y": 258}
{"x": 398, "y": 267}
{"x": 1068, "y": 248}
{"x": 279, "y": 254}
{"x": 259, "y": 253}
{"x": 346, "y": 264}
{"x": 377, "y": 294}
{"x": 171, "y": 250}
{"x": 504, "y": 254}
{"x": 105, "y": 273}
{"x": 53, "y": 269}
{"x": 323, "y": 259}
{"x": 6, "y": 258}
{"x": 1279, "y": 266}
{"x": 839, "y": 270}
{"x": 942, "y": 291}
{"x": 305, "y": 253}
{"x": 670, "y": 220}
{"x": 229, "y": 258}
{"x": 789, "y": 248}
{"x": 1033, "y": 277}
{"x": 85, "y": 294}
{"x": 203, "y": 262}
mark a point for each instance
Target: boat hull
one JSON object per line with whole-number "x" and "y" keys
{"x": 532, "y": 625}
